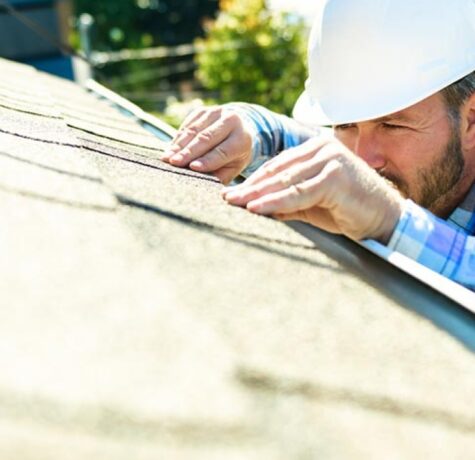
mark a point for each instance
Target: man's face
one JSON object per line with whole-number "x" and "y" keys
{"x": 417, "y": 149}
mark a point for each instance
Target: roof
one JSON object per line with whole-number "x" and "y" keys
{"x": 144, "y": 318}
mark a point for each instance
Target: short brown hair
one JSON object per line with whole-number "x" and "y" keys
{"x": 457, "y": 93}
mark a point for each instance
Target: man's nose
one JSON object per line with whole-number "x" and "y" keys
{"x": 369, "y": 150}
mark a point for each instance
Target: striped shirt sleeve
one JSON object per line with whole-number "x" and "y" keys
{"x": 434, "y": 243}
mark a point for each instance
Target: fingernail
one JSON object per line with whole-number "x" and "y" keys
{"x": 233, "y": 196}
{"x": 254, "y": 207}
{"x": 197, "y": 164}
{"x": 234, "y": 188}
{"x": 176, "y": 158}
{"x": 172, "y": 148}
{"x": 225, "y": 191}
{"x": 232, "y": 193}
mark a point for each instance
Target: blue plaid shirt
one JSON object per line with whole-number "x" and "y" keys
{"x": 445, "y": 246}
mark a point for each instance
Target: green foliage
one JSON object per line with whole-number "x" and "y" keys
{"x": 253, "y": 55}
{"x": 143, "y": 23}
{"x": 136, "y": 24}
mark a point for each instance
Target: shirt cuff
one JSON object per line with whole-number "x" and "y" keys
{"x": 428, "y": 240}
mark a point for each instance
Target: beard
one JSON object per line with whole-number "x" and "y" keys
{"x": 436, "y": 185}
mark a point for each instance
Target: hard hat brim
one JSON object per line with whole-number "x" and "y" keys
{"x": 309, "y": 112}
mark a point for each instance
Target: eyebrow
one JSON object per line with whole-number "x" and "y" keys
{"x": 394, "y": 117}
{"x": 388, "y": 118}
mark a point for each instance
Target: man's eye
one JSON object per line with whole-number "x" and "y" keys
{"x": 392, "y": 127}
{"x": 343, "y": 127}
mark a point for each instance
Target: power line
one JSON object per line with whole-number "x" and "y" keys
{"x": 112, "y": 57}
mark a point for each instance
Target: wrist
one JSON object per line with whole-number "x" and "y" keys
{"x": 393, "y": 212}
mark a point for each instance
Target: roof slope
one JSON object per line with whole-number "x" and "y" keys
{"x": 144, "y": 318}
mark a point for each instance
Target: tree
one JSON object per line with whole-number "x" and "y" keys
{"x": 136, "y": 24}
{"x": 142, "y": 23}
{"x": 251, "y": 54}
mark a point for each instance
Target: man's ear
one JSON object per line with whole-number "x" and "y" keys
{"x": 467, "y": 118}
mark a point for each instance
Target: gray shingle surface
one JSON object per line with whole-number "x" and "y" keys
{"x": 144, "y": 318}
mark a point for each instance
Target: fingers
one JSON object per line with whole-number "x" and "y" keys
{"x": 212, "y": 141}
{"x": 189, "y": 120}
{"x": 196, "y": 121}
{"x": 313, "y": 192}
{"x": 227, "y": 151}
{"x": 189, "y": 130}
{"x": 286, "y": 159}
{"x": 196, "y": 114}
{"x": 202, "y": 143}
{"x": 199, "y": 131}
{"x": 286, "y": 177}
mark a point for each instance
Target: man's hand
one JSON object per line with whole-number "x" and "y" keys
{"x": 325, "y": 184}
{"x": 212, "y": 140}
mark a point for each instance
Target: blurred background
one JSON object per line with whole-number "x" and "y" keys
{"x": 168, "y": 56}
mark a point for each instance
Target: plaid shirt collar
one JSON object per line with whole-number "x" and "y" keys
{"x": 463, "y": 217}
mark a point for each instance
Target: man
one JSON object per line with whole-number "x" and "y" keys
{"x": 395, "y": 79}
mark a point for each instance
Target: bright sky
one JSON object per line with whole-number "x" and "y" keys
{"x": 305, "y": 8}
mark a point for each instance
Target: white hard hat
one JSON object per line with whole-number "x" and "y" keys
{"x": 371, "y": 58}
